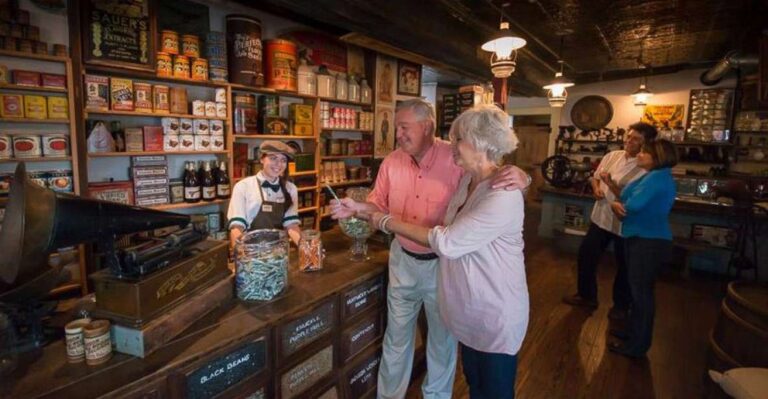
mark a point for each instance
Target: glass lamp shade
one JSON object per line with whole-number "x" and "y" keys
{"x": 503, "y": 43}
{"x": 556, "y": 93}
{"x": 641, "y": 96}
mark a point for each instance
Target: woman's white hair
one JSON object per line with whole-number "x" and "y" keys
{"x": 486, "y": 127}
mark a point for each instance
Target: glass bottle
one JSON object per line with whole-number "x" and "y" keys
{"x": 354, "y": 89}
{"x": 326, "y": 83}
{"x": 307, "y": 79}
{"x": 207, "y": 183}
{"x": 191, "y": 184}
{"x": 342, "y": 87}
{"x": 222, "y": 182}
{"x": 366, "y": 95}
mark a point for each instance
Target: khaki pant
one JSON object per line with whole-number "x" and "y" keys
{"x": 413, "y": 283}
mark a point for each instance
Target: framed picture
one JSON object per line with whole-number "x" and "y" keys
{"x": 120, "y": 33}
{"x": 384, "y": 135}
{"x": 716, "y": 236}
{"x": 408, "y": 78}
{"x": 385, "y": 80}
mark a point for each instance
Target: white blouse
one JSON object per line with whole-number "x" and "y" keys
{"x": 482, "y": 291}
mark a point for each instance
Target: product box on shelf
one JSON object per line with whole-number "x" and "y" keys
{"x": 269, "y": 106}
{"x": 216, "y": 127}
{"x": 142, "y": 97}
{"x": 217, "y": 143}
{"x": 201, "y": 127}
{"x": 150, "y": 181}
{"x": 301, "y": 129}
{"x": 160, "y": 99}
{"x": 55, "y": 145}
{"x": 27, "y": 146}
{"x": 97, "y": 92}
{"x": 121, "y": 94}
{"x": 152, "y": 201}
{"x": 153, "y": 138}
{"x": 186, "y": 142}
{"x": 171, "y": 142}
{"x": 176, "y": 187}
{"x": 152, "y": 192}
{"x": 149, "y": 160}
{"x": 134, "y": 139}
{"x": 120, "y": 192}
{"x": 13, "y": 106}
{"x": 202, "y": 143}
{"x": 150, "y": 171}
{"x": 26, "y": 78}
{"x": 60, "y": 180}
{"x": 300, "y": 113}
{"x": 277, "y": 126}
{"x": 53, "y": 80}
{"x": 171, "y": 125}
{"x": 58, "y": 107}
{"x": 186, "y": 126}
{"x": 35, "y": 107}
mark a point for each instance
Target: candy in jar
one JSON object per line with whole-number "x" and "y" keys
{"x": 311, "y": 252}
{"x": 261, "y": 265}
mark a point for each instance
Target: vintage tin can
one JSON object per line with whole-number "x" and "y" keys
{"x": 221, "y": 110}
{"x": 60, "y": 180}
{"x": 216, "y": 52}
{"x": 164, "y": 65}
{"x": 55, "y": 145}
{"x": 190, "y": 46}
{"x": 6, "y": 146}
{"x": 35, "y": 107}
{"x": 281, "y": 65}
{"x": 142, "y": 97}
{"x": 246, "y": 114}
{"x": 40, "y": 48}
{"x": 170, "y": 125}
{"x": 97, "y": 341}
{"x": 27, "y": 146}
{"x": 244, "y": 50}
{"x": 58, "y": 107}
{"x": 60, "y": 50}
{"x": 221, "y": 95}
{"x": 198, "y": 108}
{"x": 186, "y": 126}
{"x": 13, "y": 106}
{"x": 217, "y": 143}
{"x": 74, "y": 340}
{"x": 121, "y": 94}
{"x": 200, "y": 69}
{"x": 39, "y": 177}
{"x": 210, "y": 109}
{"x": 186, "y": 142}
{"x": 171, "y": 142}
{"x": 180, "y": 67}
{"x": 169, "y": 42}
{"x": 25, "y": 46}
{"x": 160, "y": 102}
{"x": 202, "y": 143}
{"x": 201, "y": 127}
{"x": 216, "y": 127}
{"x": 177, "y": 191}
{"x": 179, "y": 104}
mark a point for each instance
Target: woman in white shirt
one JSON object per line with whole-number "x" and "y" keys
{"x": 482, "y": 291}
{"x": 266, "y": 200}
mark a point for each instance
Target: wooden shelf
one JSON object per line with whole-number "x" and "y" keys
{"x": 738, "y": 160}
{"x": 350, "y": 183}
{"x": 702, "y": 143}
{"x": 348, "y": 130}
{"x": 25, "y": 120}
{"x": 310, "y": 209}
{"x": 130, "y": 154}
{"x": 143, "y": 75}
{"x": 330, "y": 157}
{"x": 264, "y": 90}
{"x": 40, "y": 159}
{"x": 590, "y": 141}
{"x": 8, "y": 86}
{"x": 31, "y": 56}
{"x": 751, "y": 131}
{"x": 345, "y": 102}
{"x": 305, "y": 189}
{"x": 306, "y": 173}
{"x": 185, "y": 205}
{"x": 149, "y": 115}
{"x": 271, "y": 137}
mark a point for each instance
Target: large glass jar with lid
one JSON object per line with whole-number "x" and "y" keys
{"x": 311, "y": 251}
{"x": 261, "y": 264}
{"x": 307, "y": 79}
{"x": 366, "y": 95}
{"x": 342, "y": 87}
{"x": 354, "y": 89}
{"x": 326, "y": 83}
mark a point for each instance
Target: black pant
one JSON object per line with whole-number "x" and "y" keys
{"x": 489, "y": 375}
{"x": 590, "y": 252}
{"x": 645, "y": 257}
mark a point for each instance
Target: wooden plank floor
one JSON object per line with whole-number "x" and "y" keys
{"x": 564, "y": 353}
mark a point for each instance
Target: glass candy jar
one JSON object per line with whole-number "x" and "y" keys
{"x": 261, "y": 265}
{"x": 311, "y": 251}
{"x": 357, "y": 229}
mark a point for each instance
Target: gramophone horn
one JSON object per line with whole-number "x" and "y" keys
{"x": 39, "y": 220}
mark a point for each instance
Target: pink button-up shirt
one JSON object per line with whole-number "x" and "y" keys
{"x": 417, "y": 193}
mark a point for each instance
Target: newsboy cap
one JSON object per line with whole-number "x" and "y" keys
{"x": 276, "y": 147}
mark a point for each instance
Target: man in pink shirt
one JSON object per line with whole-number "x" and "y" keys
{"x": 415, "y": 183}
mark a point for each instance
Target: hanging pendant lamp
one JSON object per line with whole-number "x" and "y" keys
{"x": 504, "y": 46}
{"x": 556, "y": 93}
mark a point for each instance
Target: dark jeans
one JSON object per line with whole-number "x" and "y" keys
{"x": 489, "y": 375}
{"x": 645, "y": 257}
{"x": 590, "y": 252}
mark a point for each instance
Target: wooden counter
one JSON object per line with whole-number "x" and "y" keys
{"x": 323, "y": 334}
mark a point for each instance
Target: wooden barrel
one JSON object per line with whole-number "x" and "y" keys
{"x": 741, "y": 332}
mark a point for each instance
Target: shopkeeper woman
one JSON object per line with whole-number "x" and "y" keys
{"x": 266, "y": 200}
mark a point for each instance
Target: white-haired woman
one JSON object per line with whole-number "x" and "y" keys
{"x": 482, "y": 292}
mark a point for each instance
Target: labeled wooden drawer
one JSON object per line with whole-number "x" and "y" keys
{"x": 359, "y": 379}
{"x": 367, "y": 330}
{"x": 364, "y": 296}
{"x": 301, "y": 378}
{"x": 302, "y": 330}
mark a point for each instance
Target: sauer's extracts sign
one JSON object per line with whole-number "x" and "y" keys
{"x": 120, "y": 33}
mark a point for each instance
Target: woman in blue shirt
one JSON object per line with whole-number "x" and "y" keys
{"x": 644, "y": 209}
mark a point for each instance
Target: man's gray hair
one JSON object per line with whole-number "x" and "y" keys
{"x": 423, "y": 110}
{"x": 486, "y": 127}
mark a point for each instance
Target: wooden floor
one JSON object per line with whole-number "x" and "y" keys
{"x": 564, "y": 353}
